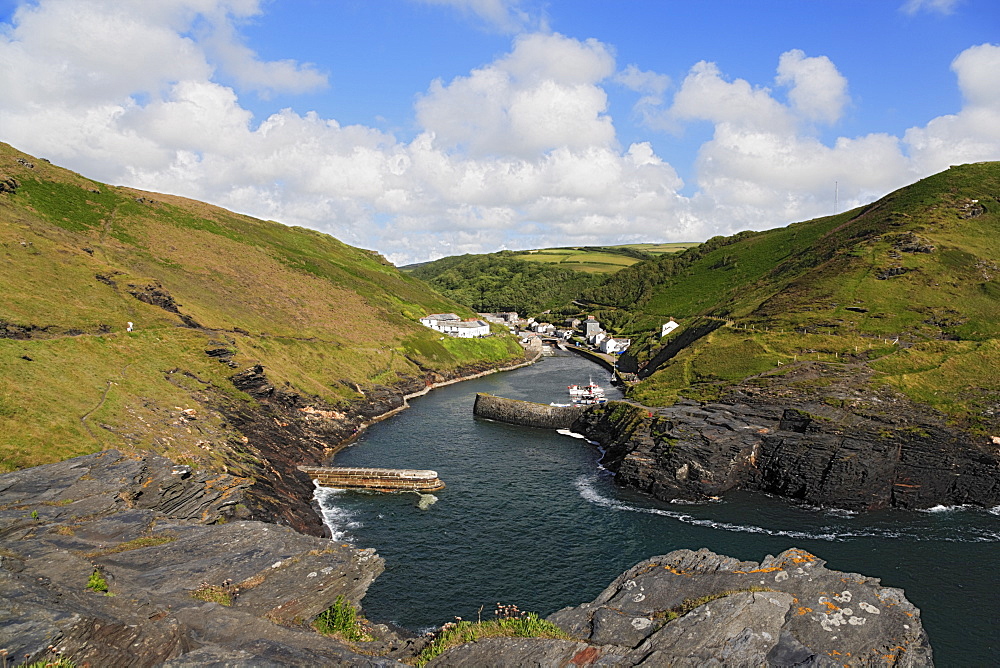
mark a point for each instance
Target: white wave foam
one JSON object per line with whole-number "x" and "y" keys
{"x": 338, "y": 520}
{"x": 584, "y": 485}
{"x": 425, "y": 501}
{"x": 573, "y": 434}
{"x": 994, "y": 510}
{"x": 942, "y": 509}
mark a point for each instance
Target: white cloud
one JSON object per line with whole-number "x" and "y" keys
{"x": 818, "y": 91}
{"x": 940, "y": 6}
{"x": 763, "y": 167}
{"x": 503, "y": 15}
{"x": 972, "y": 134}
{"x": 706, "y": 95}
{"x": 652, "y": 87}
{"x": 541, "y": 96}
{"x": 521, "y": 152}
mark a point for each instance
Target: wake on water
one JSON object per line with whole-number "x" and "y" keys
{"x": 965, "y": 534}
{"x": 339, "y": 520}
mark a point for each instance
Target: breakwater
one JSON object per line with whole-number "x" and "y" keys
{"x": 376, "y": 479}
{"x": 525, "y": 413}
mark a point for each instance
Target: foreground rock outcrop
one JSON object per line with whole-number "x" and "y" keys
{"x": 702, "y": 609}
{"x": 115, "y": 560}
{"x": 169, "y": 545}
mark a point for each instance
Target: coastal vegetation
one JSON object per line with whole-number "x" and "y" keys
{"x": 509, "y": 623}
{"x": 901, "y": 294}
{"x": 341, "y": 620}
{"x": 126, "y": 313}
{"x": 531, "y": 282}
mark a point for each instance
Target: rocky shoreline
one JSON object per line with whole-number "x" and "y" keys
{"x": 879, "y": 452}
{"x": 217, "y": 569}
{"x": 285, "y": 430}
{"x": 183, "y": 581}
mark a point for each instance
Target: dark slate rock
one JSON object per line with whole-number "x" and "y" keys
{"x": 61, "y": 523}
{"x": 785, "y": 610}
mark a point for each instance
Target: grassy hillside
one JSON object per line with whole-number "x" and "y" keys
{"x": 80, "y": 259}
{"x": 533, "y": 281}
{"x": 908, "y": 286}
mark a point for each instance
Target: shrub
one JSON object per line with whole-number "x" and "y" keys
{"x": 97, "y": 583}
{"x": 340, "y": 619}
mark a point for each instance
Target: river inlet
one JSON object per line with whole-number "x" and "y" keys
{"x": 528, "y": 517}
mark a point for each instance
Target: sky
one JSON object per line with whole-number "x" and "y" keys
{"x": 426, "y": 128}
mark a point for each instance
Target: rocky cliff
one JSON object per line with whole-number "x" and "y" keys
{"x": 702, "y": 609}
{"x": 283, "y": 430}
{"x": 880, "y": 453}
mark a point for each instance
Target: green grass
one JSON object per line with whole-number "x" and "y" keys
{"x": 134, "y": 544}
{"x": 455, "y": 634}
{"x": 97, "y": 583}
{"x": 322, "y": 317}
{"x": 913, "y": 267}
{"x": 341, "y": 620}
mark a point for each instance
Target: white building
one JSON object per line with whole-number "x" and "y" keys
{"x": 611, "y": 346}
{"x": 435, "y": 320}
{"x": 452, "y": 325}
{"x": 467, "y": 329}
{"x": 668, "y": 327}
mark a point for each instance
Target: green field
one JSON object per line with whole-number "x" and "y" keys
{"x": 600, "y": 260}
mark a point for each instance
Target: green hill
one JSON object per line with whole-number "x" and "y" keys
{"x": 81, "y": 259}
{"x": 532, "y": 281}
{"x": 907, "y": 287}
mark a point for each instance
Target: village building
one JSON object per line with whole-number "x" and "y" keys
{"x": 591, "y": 326}
{"x": 614, "y": 346}
{"x": 434, "y": 320}
{"x": 502, "y": 318}
{"x": 543, "y": 328}
{"x": 668, "y": 327}
{"x": 452, "y": 325}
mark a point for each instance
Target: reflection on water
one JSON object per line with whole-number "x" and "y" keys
{"x": 528, "y": 517}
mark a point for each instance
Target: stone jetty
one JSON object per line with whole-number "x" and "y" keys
{"x": 525, "y": 413}
{"x": 375, "y": 479}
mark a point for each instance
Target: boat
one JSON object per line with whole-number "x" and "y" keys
{"x": 590, "y": 400}
{"x": 591, "y": 389}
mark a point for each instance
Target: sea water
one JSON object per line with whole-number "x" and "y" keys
{"x": 529, "y": 517}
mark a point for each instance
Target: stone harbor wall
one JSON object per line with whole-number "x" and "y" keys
{"x": 525, "y": 413}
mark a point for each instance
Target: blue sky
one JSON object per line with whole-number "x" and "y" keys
{"x": 423, "y": 128}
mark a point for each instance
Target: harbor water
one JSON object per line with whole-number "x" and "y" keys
{"x": 528, "y": 517}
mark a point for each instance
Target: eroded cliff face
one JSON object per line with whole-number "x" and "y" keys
{"x": 857, "y": 458}
{"x": 283, "y": 430}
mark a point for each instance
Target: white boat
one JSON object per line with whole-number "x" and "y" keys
{"x": 591, "y": 389}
